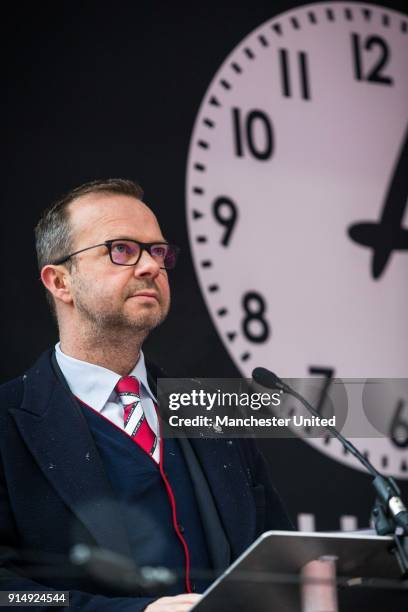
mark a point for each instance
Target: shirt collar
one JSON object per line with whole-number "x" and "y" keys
{"x": 95, "y": 384}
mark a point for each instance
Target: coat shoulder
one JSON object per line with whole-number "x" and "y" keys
{"x": 11, "y": 393}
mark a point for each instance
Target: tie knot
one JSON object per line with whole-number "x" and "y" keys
{"x": 128, "y": 385}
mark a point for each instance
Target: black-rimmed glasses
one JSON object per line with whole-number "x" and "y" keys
{"x": 127, "y": 252}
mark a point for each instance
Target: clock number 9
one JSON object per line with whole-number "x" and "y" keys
{"x": 399, "y": 427}
{"x": 226, "y": 213}
{"x": 374, "y": 75}
{"x": 254, "y": 326}
{"x": 244, "y": 130}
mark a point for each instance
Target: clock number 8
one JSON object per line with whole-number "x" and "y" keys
{"x": 399, "y": 427}
{"x": 254, "y": 326}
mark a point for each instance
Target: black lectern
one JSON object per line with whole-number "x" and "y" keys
{"x": 308, "y": 572}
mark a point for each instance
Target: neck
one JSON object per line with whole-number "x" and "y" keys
{"x": 115, "y": 350}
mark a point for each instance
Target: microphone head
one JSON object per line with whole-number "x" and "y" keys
{"x": 268, "y": 379}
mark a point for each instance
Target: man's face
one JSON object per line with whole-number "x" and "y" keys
{"x": 111, "y": 296}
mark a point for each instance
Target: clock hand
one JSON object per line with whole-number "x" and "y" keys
{"x": 388, "y": 234}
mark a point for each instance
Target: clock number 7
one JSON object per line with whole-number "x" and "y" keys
{"x": 328, "y": 374}
{"x": 375, "y": 74}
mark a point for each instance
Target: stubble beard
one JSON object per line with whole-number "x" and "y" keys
{"x": 104, "y": 321}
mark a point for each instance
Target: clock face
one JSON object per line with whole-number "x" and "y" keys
{"x": 296, "y": 203}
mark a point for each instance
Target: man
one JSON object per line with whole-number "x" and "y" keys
{"x": 81, "y": 455}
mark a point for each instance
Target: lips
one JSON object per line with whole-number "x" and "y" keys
{"x": 148, "y": 294}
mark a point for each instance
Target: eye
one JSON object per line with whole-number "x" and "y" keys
{"x": 159, "y": 250}
{"x": 124, "y": 252}
{"x": 121, "y": 247}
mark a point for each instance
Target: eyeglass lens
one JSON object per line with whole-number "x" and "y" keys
{"x": 125, "y": 252}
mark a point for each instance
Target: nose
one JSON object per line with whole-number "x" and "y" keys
{"x": 147, "y": 266}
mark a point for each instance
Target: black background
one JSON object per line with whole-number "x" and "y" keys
{"x": 96, "y": 90}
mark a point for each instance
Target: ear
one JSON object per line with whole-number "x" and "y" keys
{"x": 57, "y": 280}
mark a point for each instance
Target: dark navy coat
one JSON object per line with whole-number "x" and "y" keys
{"x": 54, "y": 491}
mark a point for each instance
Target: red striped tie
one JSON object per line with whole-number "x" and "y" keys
{"x": 136, "y": 425}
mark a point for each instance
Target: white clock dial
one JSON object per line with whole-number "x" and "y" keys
{"x": 296, "y": 200}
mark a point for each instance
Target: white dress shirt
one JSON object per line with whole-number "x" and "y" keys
{"x": 95, "y": 386}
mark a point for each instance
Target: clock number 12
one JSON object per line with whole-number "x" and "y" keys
{"x": 375, "y": 74}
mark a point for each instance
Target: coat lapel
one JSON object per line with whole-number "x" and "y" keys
{"x": 222, "y": 465}
{"x": 54, "y": 429}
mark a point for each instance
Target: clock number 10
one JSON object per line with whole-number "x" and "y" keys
{"x": 253, "y": 134}
{"x": 375, "y": 74}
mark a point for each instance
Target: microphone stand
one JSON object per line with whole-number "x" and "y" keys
{"x": 390, "y": 515}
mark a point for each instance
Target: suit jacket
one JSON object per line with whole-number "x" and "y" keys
{"x": 54, "y": 491}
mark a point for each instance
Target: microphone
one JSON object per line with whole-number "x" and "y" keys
{"x": 118, "y": 571}
{"x": 268, "y": 379}
{"x": 387, "y": 489}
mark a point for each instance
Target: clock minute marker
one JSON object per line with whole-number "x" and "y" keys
{"x": 198, "y": 190}
{"x": 330, "y": 14}
{"x": 263, "y": 40}
{"x": 277, "y": 28}
{"x": 404, "y": 26}
{"x": 367, "y": 14}
{"x": 199, "y": 167}
{"x": 348, "y": 14}
{"x": 245, "y": 356}
{"x": 387, "y": 235}
{"x": 197, "y": 214}
{"x": 249, "y": 53}
{"x": 214, "y": 101}
{"x": 222, "y": 312}
{"x": 295, "y": 23}
{"x": 312, "y": 17}
{"x": 231, "y": 336}
{"x": 385, "y": 21}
